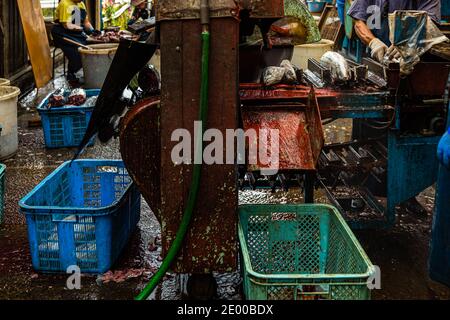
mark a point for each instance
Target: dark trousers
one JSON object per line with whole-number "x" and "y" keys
{"x": 439, "y": 263}
{"x": 70, "y": 50}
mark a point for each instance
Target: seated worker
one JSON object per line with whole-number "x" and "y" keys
{"x": 377, "y": 39}
{"x": 73, "y": 23}
{"x": 140, "y": 11}
{"x": 439, "y": 261}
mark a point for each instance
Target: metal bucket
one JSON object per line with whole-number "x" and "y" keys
{"x": 9, "y": 140}
{"x": 96, "y": 64}
{"x": 4, "y": 82}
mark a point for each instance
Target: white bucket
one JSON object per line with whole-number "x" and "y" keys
{"x": 9, "y": 140}
{"x": 96, "y": 63}
{"x": 4, "y": 82}
{"x": 314, "y": 50}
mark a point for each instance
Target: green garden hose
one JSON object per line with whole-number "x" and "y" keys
{"x": 195, "y": 183}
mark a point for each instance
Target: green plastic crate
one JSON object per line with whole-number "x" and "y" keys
{"x": 301, "y": 252}
{"x": 2, "y": 190}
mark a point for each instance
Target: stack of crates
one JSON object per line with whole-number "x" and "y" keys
{"x": 301, "y": 252}
{"x": 65, "y": 126}
{"x": 82, "y": 214}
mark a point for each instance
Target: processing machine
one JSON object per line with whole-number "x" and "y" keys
{"x": 210, "y": 80}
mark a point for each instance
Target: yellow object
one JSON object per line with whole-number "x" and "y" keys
{"x": 65, "y": 10}
{"x": 37, "y": 41}
{"x": 290, "y": 27}
{"x": 313, "y": 50}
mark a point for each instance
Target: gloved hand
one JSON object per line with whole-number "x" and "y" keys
{"x": 393, "y": 53}
{"x": 93, "y": 32}
{"x": 379, "y": 49}
{"x": 96, "y": 33}
{"x": 443, "y": 151}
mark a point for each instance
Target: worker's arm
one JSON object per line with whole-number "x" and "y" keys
{"x": 358, "y": 11}
{"x": 88, "y": 25}
{"x": 71, "y": 26}
{"x": 378, "y": 47}
{"x": 89, "y": 29}
{"x": 363, "y": 32}
{"x": 443, "y": 152}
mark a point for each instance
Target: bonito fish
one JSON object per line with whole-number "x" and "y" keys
{"x": 290, "y": 27}
{"x": 337, "y": 64}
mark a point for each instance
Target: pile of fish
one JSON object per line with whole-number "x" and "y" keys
{"x": 286, "y": 73}
{"x": 337, "y": 65}
{"x": 57, "y": 98}
{"x": 111, "y": 36}
{"x": 77, "y": 97}
{"x": 63, "y": 97}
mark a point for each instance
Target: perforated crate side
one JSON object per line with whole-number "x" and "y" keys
{"x": 70, "y": 232}
{"x": 300, "y": 252}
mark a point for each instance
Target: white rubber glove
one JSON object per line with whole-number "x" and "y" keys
{"x": 379, "y": 49}
{"x": 393, "y": 53}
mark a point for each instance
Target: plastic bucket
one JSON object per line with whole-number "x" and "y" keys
{"x": 9, "y": 140}
{"x": 314, "y": 50}
{"x": 316, "y": 6}
{"x": 4, "y": 82}
{"x": 96, "y": 63}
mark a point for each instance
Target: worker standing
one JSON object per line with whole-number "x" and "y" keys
{"x": 73, "y": 23}
{"x": 439, "y": 264}
{"x": 340, "y": 5}
{"x": 376, "y": 35}
{"x": 372, "y": 28}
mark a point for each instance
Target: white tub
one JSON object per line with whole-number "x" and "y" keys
{"x": 314, "y": 50}
{"x": 9, "y": 140}
{"x": 96, "y": 63}
{"x": 4, "y": 82}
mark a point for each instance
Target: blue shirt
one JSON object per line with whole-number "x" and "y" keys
{"x": 358, "y": 11}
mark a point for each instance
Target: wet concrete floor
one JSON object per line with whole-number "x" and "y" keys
{"x": 401, "y": 253}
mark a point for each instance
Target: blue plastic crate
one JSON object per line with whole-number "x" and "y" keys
{"x": 2, "y": 191}
{"x": 65, "y": 126}
{"x": 82, "y": 214}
